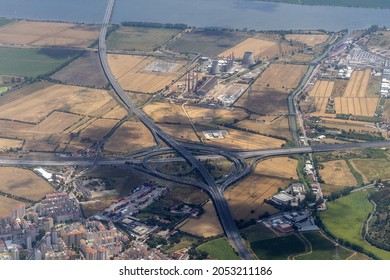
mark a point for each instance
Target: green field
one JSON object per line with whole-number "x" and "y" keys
{"x": 140, "y": 38}
{"x": 185, "y": 242}
{"x": 279, "y": 248}
{"x": 32, "y": 62}
{"x": 257, "y": 232}
{"x": 4, "y": 21}
{"x": 323, "y": 248}
{"x": 347, "y": 3}
{"x": 207, "y": 42}
{"x": 373, "y": 169}
{"x": 345, "y": 217}
{"x": 3, "y": 89}
{"x": 218, "y": 249}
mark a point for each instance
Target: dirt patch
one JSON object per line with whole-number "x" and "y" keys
{"x": 310, "y": 40}
{"x": 337, "y": 173}
{"x": 74, "y": 73}
{"x": 145, "y": 74}
{"x": 206, "y": 226}
{"x": 7, "y": 144}
{"x": 282, "y": 167}
{"x": 130, "y": 137}
{"x": 268, "y": 95}
{"x": 36, "y": 33}
{"x": 23, "y": 183}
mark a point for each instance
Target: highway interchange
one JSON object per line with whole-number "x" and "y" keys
{"x": 192, "y": 153}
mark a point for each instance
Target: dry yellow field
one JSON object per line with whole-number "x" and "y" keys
{"x": 145, "y": 74}
{"x": 184, "y": 132}
{"x": 348, "y": 124}
{"x": 355, "y": 100}
{"x": 237, "y": 139}
{"x": 48, "y": 34}
{"x": 282, "y": 167}
{"x": 356, "y": 106}
{"x": 308, "y": 39}
{"x": 7, "y": 205}
{"x": 269, "y": 92}
{"x": 259, "y": 48}
{"x": 337, "y": 173}
{"x": 269, "y": 125}
{"x": 116, "y": 113}
{"x": 129, "y": 137}
{"x": 166, "y": 112}
{"x": 246, "y": 199}
{"x": 55, "y": 123}
{"x": 283, "y": 77}
{"x": 206, "y": 226}
{"x": 357, "y": 85}
{"x": 6, "y": 144}
{"x": 32, "y": 104}
{"x": 199, "y": 114}
{"x": 98, "y": 129}
{"x": 322, "y": 89}
{"x": 23, "y": 183}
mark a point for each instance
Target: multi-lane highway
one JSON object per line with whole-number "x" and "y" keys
{"x": 220, "y": 203}
{"x": 141, "y": 160}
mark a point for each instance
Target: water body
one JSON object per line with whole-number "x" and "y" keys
{"x": 202, "y": 13}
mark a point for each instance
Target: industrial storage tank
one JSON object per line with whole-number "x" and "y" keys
{"x": 214, "y": 67}
{"x": 248, "y": 59}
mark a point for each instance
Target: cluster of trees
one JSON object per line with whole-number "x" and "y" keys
{"x": 155, "y": 25}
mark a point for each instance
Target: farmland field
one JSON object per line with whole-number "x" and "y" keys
{"x": 282, "y": 167}
{"x": 145, "y": 74}
{"x": 355, "y": 100}
{"x": 259, "y": 48}
{"x": 345, "y": 217}
{"x": 6, "y": 144}
{"x": 308, "y": 39}
{"x": 257, "y": 232}
{"x": 320, "y": 94}
{"x": 218, "y": 249}
{"x": 273, "y": 126}
{"x": 166, "y": 112}
{"x": 269, "y": 92}
{"x": 34, "y": 102}
{"x": 32, "y": 62}
{"x": 204, "y": 115}
{"x": 245, "y": 140}
{"x": 207, "y": 42}
{"x": 246, "y": 199}
{"x": 7, "y": 205}
{"x": 74, "y": 73}
{"x": 98, "y": 129}
{"x": 346, "y": 125}
{"x": 206, "y": 226}
{"x": 356, "y": 106}
{"x": 183, "y": 132}
{"x": 372, "y": 169}
{"x": 139, "y": 38}
{"x": 337, "y": 173}
{"x": 279, "y": 248}
{"x": 23, "y": 183}
{"x": 130, "y": 137}
{"x": 323, "y": 248}
{"x": 44, "y": 34}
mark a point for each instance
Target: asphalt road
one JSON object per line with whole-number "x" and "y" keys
{"x": 220, "y": 203}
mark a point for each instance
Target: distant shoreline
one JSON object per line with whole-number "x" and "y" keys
{"x": 331, "y": 3}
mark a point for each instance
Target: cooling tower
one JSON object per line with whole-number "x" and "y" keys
{"x": 248, "y": 59}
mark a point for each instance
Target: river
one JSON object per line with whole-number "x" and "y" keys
{"x": 222, "y": 13}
